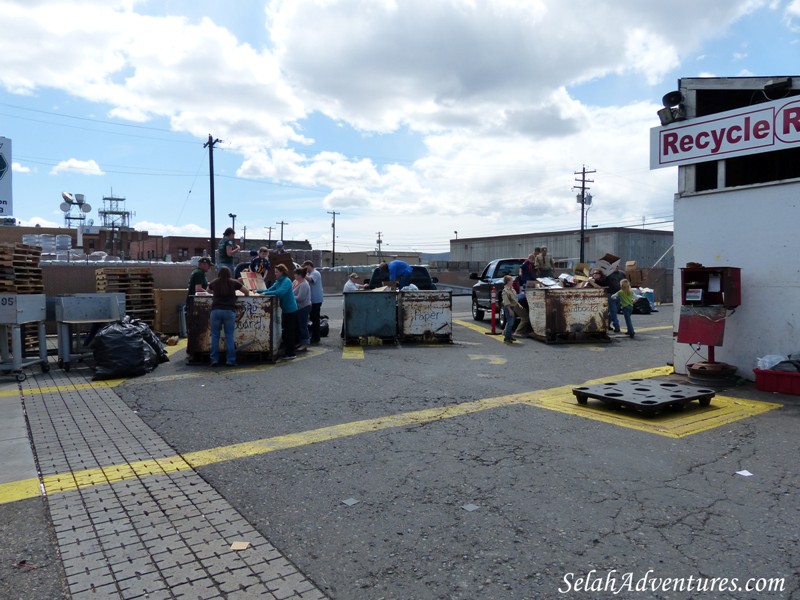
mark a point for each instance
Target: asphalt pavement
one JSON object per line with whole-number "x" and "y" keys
{"x": 408, "y": 471}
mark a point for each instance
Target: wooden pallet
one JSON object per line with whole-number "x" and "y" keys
{"x": 138, "y": 286}
{"x": 20, "y": 272}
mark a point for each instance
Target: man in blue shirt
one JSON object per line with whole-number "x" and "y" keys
{"x": 398, "y": 271}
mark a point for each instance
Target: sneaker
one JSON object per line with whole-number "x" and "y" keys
{"x": 631, "y": 333}
{"x": 301, "y": 349}
{"x": 214, "y": 364}
{"x": 290, "y": 357}
{"x": 233, "y": 364}
{"x": 616, "y": 329}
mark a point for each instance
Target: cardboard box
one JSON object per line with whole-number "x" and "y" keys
{"x": 608, "y": 263}
{"x": 253, "y": 281}
{"x": 167, "y": 303}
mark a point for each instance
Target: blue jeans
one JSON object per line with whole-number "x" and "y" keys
{"x": 627, "y": 311}
{"x": 220, "y": 319}
{"x": 403, "y": 280}
{"x": 302, "y": 325}
{"x": 613, "y": 312}
{"x": 511, "y": 317}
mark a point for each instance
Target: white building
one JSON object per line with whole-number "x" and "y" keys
{"x": 736, "y": 142}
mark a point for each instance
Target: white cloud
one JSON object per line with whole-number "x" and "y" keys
{"x": 170, "y": 230}
{"x": 73, "y": 165}
{"x": 18, "y": 168}
{"x": 485, "y": 85}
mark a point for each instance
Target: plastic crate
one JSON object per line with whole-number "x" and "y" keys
{"x": 778, "y": 381}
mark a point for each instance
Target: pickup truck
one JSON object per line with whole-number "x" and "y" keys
{"x": 492, "y": 277}
{"x": 420, "y": 277}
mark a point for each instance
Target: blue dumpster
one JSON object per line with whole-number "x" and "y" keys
{"x": 370, "y": 314}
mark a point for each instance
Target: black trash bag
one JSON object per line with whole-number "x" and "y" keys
{"x": 641, "y": 306}
{"x": 324, "y": 326}
{"x": 158, "y": 347}
{"x": 127, "y": 348}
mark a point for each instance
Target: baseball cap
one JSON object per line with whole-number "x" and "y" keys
{"x": 204, "y": 260}
{"x": 353, "y": 275}
{"x": 280, "y": 243}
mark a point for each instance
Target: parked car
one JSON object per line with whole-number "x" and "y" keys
{"x": 492, "y": 277}
{"x": 420, "y": 277}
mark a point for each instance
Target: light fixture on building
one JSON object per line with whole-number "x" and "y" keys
{"x": 673, "y": 108}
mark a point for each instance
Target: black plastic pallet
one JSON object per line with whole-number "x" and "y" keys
{"x": 648, "y": 396}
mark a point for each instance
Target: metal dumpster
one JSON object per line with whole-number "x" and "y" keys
{"x": 73, "y": 311}
{"x": 426, "y": 316}
{"x": 257, "y": 334}
{"x": 15, "y": 311}
{"x": 370, "y": 315}
{"x": 568, "y": 314}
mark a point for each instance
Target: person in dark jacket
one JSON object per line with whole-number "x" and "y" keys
{"x": 223, "y": 315}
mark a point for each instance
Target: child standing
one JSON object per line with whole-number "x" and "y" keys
{"x": 626, "y": 298}
{"x": 511, "y": 306}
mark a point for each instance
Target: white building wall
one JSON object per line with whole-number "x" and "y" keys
{"x": 756, "y": 228}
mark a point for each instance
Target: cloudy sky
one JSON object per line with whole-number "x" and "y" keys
{"x": 413, "y": 118}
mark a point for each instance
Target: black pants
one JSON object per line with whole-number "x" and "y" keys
{"x": 314, "y": 329}
{"x": 289, "y": 332}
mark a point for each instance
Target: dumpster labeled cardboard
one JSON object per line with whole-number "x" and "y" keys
{"x": 257, "y": 333}
{"x": 568, "y": 314}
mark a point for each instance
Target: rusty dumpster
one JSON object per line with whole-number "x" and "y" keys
{"x": 568, "y": 314}
{"x": 426, "y": 316}
{"x": 257, "y": 334}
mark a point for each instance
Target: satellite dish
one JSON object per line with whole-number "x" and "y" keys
{"x": 64, "y": 207}
{"x": 68, "y": 197}
{"x": 86, "y": 207}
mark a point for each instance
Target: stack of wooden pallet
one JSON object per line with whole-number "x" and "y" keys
{"x": 137, "y": 285}
{"x": 20, "y": 272}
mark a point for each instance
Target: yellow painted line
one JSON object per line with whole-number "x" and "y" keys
{"x": 481, "y": 329}
{"x": 493, "y": 359}
{"x": 675, "y": 424}
{"x": 658, "y": 328}
{"x": 353, "y": 352}
{"x": 19, "y": 490}
{"x": 723, "y": 410}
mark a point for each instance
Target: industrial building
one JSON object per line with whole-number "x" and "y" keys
{"x": 648, "y": 247}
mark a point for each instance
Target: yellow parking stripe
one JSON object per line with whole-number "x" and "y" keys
{"x": 723, "y": 410}
{"x": 353, "y": 352}
{"x": 481, "y": 329}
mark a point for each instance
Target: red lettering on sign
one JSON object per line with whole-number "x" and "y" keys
{"x": 761, "y": 130}
{"x": 791, "y": 120}
{"x": 670, "y": 143}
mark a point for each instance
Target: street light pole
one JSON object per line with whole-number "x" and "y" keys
{"x": 233, "y": 220}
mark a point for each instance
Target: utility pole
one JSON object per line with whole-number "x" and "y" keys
{"x": 281, "y": 223}
{"x": 233, "y": 220}
{"x": 244, "y": 237}
{"x": 583, "y": 200}
{"x": 333, "y": 225}
{"x": 210, "y": 145}
{"x": 379, "y": 241}
{"x": 269, "y": 233}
